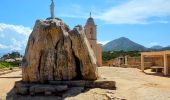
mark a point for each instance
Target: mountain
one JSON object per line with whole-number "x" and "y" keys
{"x": 156, "y": 47}
{"x": 124, "y": 44}
{"x": 166, "y": 48}
{"x": 159, "y": 48}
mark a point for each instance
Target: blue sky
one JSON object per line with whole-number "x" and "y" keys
{"x": 146, "y": 22}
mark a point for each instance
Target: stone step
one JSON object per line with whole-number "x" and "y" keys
{"x": 57, "y": 87}
{"x": 104, "y": 84}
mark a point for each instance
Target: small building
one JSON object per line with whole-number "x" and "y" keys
{"x": 91, "y": 32}
{"x": 10, "y": 60}
{"x": 134, "y": 62}
{"x": 163, "y": 61}
{"x": 18, "y": 59}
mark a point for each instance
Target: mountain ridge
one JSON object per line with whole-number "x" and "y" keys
{"x": 126, "y": 44}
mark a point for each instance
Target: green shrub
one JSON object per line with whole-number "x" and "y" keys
{"x": 4, "y": 64}
{"x": 114, "y": 54}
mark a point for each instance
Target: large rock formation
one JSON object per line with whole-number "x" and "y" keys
{"x": 54, "y": 52}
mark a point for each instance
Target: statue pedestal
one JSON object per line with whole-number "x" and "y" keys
{"x": 60, "y": 88}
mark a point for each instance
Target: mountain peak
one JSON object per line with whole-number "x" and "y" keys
{"x": 123, "y": 38}
{"x": 124, "y": 44}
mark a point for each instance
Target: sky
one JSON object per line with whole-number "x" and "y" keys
{"x": 146, "y": 22}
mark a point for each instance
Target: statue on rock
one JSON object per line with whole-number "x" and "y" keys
{"x": 57, "y": 59}
{"x": 54, "y": 52}
{"x": 52, "y": 9}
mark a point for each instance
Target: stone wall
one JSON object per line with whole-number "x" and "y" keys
{"x": 169, "y": 64}
{"x": 149, "y": 61}
{"x": 114, "y": 62}
{"x": 109, "y": 63}
{"x": 99, "y": 54}
{"x": 135, "y": 62}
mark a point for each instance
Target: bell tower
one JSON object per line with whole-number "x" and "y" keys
{"x": 91, "y": 32}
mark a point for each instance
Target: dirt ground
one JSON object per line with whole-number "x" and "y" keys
{"x": 7, "y": 82}
{"x": 131, "y": 84}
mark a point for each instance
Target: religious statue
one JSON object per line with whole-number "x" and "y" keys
{"x": 52, "y": 9}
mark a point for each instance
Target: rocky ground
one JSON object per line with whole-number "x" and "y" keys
{"x": 131, "y": 84}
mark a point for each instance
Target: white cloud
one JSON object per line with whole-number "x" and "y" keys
{"x": 129, "y": 12}
{"x": 103, "y": 42}
{"x": 3, "y": 46}
{"x": 138, "y": 12}
{"x": 14, "y": 36}
{"x": 1, "y": 29}
{"x": 16, "y": 45}
{"x": 17, "y": 28}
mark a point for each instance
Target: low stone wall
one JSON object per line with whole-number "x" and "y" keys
{"x": 110, "y": 63}
{"x": 60, "y": 87}
{"x": 135, "y": 62}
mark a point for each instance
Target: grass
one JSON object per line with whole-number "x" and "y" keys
{"x": 4, "y": 64}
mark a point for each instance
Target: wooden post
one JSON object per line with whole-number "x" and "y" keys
{"x": 165, "y": 64}
{"x": 142, "y": 63}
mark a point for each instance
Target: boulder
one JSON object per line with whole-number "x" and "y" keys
{"x": 54, "y": 52}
